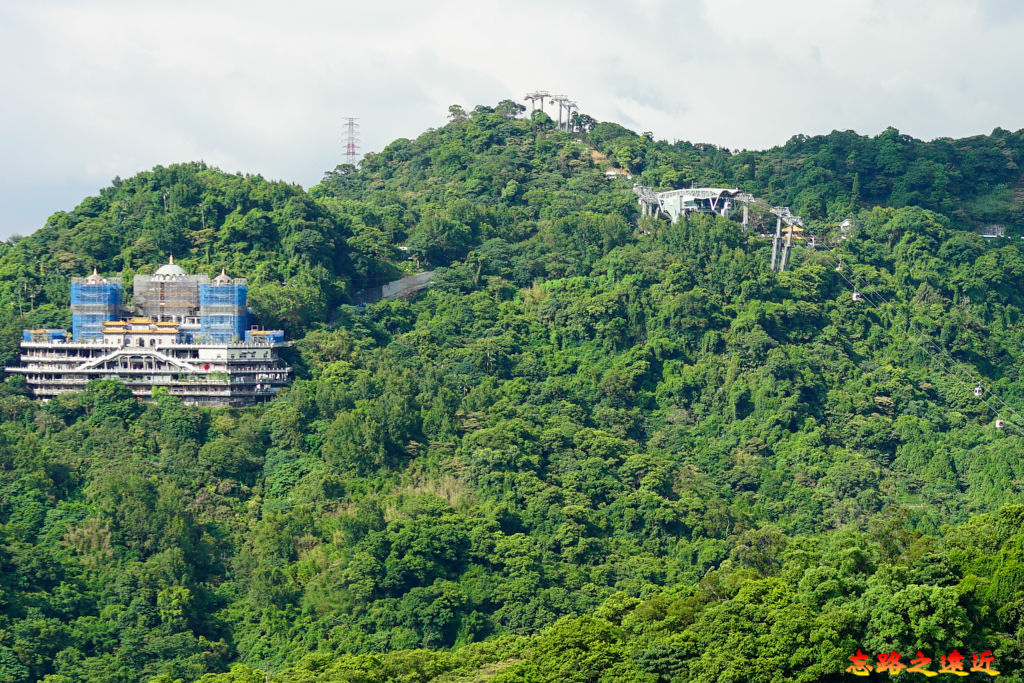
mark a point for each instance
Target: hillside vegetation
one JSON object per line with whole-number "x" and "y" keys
{"x": 600, "y": 448}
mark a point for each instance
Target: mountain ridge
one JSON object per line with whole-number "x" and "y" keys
{"x": 600, "y": 447}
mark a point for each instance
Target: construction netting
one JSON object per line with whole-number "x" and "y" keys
{"x": 222, "y": 329}
{"x": 224, "y": 295}
{"x": 223, "y": 316}
{"x": 162, "y": 297}
{"x": 264, "y": 336}
{"x": 92, "y": 304}
{"x": 43, "y": 335}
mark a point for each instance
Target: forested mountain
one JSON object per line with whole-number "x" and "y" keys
{"x": 601, "y": 448}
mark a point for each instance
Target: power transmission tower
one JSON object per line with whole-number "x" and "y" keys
{"x": 351, "y": 140}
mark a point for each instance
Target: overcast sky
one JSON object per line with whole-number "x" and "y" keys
{"x": 109, "y": 88}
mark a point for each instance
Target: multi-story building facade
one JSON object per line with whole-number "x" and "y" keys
{"x": 184, "y": 332}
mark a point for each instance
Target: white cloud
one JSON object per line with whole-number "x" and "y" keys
{"x": 116, "y": 87}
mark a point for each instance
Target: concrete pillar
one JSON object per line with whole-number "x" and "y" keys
{"x": 775, "y": 242}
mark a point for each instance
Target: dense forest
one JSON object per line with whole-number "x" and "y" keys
{"x": 602, "y": 447}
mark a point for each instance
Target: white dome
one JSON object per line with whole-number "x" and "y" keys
{"x": 95, "y": 278}
{"x": 170, "y": 269}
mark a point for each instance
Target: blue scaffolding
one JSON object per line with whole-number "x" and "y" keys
{"x": 92, "y": 304}
{"x": 264, "y": 336}
{"x": 223, "y": 317}
{"x": 46, "y": 336}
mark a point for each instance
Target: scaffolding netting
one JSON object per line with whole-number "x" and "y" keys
{"x": 163, "y": 297}
{"x": 93, "y": 303}
{"x": 223, "y": 316}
